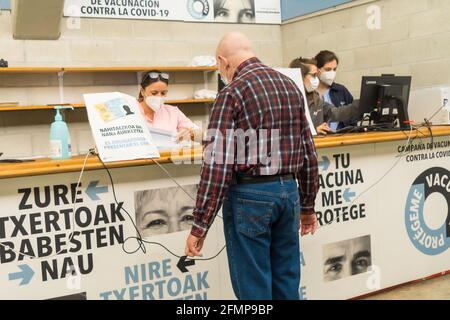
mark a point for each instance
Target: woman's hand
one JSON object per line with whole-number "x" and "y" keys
{"x": 185, "y": 134}
{"x": 189, "y": 135}
{"x": 323, "y": 129}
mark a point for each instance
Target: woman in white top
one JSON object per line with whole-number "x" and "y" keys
{"x": 154, "y": 89}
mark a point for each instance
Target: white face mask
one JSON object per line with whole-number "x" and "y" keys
{"x": 155, "y": 102}
{"x": 328, "y": 77}
{"x": 314, "y": 85}
{"x": 224, "y": 78}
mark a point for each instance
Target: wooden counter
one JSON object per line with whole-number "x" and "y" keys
{"x": 376, "y": 137}
{"x": 47, "y": 166}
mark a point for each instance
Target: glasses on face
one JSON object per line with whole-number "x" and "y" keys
{"x": 158, "y": 75}
{"x": 156, "y": 93}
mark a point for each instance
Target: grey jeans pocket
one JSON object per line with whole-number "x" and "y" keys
{"x": 253, "y": 216}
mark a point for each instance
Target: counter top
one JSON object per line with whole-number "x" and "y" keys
{"x": 340, "y": 140}
{"x": 47, "y": 166}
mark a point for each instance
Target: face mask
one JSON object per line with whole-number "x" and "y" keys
{"x": 328, "y": 77}
{"x": 154, "y": 102}
{"x": 314, "y": 85}
{"x": 224, "y": 78}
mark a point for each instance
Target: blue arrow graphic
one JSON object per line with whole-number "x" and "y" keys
{"x": 325, "y": 163}
{"x": 25, "y": 275}
{"x": 348, "y": 195}
{"x": 92, "y": 190}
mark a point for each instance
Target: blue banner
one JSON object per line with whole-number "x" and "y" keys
{"x": 296, "y": 8}
{"x": 5, "y": 4}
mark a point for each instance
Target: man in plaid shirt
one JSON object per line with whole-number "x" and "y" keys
{"x": 259, "y": 146}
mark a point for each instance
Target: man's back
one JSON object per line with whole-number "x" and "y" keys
{"x": 262, "y": 112}
{"x": 258, "y": 127}
{"x": 265, "y": 99}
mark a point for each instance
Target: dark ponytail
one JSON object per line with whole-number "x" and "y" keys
{"x": 303, "y": 64}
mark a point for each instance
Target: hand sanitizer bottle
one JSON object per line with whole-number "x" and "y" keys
{"x": 60, "y": 146}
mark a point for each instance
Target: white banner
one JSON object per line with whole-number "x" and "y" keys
{"x": 221, "y": 11}
{"x": 384, "y": 212}
{"x": 384, "y": 221}
{"x": 91, "y": 250}
{"x": 124, "y": 9}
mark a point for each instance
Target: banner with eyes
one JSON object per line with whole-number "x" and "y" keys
{"x": 212, "y": 11}
{"x": 381, "y": 208}
{"x": 103, "y": 240}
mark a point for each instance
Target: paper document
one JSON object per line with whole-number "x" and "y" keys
{"x": 167, "y": 140}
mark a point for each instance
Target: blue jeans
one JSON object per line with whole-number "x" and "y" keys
{"x": 261, "y": 224}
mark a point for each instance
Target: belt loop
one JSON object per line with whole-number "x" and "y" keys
{"x": 281, "y": 180}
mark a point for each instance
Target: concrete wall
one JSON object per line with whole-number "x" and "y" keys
{"x": 107, "y": 42}
{"x": 414, "y": 39}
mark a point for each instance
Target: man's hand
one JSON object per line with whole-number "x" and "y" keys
{"x": 308, "y": 224}
{"x": 323, "y": 129}
{"x": 193, "y": 246}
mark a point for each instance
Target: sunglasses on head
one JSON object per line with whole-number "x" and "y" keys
{"x": 157, "y": 75}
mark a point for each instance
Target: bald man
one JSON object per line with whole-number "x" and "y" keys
{"x": 259, "y": 146}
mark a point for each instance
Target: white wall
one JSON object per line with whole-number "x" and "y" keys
{"x": 414, "y": 39}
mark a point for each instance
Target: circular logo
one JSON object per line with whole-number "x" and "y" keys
{"x": 428, "y": 240}
{"x": 198, "y": 9}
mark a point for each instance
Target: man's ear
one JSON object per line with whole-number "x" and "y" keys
{"x": 224, "y": 61}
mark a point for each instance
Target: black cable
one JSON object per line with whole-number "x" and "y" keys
{"x": 176, "y": 182}
{"x": 411, "y": 139}
{"x": 371, "y": 127}
{"x": 139, "y": 238}
{"x": 168, "y": 250}
{"x": 435, "y": 113}
{"x": 429, "y": 124}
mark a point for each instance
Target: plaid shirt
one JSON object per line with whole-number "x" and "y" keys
{"x": 257, "y": 98}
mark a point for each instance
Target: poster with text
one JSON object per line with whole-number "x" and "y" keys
{"x": 219, "y": 11}
{"x": 63, "y": 241}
